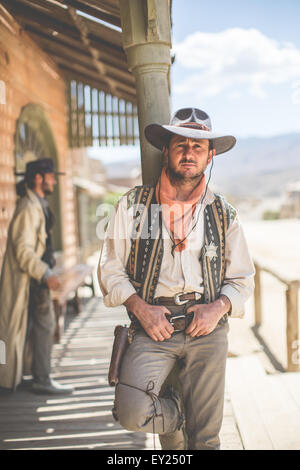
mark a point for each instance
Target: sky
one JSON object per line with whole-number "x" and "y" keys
{"x": 240, "y": 62}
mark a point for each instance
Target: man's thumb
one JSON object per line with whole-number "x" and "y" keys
{"x": 167, "y": 312}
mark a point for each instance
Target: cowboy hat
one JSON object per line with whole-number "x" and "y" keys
{"x": 190, "y": 123}
{"x": 41, "y": 165}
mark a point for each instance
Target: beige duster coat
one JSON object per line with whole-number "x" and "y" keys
{"x": 22, "y": 260}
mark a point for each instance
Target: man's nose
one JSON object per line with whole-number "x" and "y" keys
{"x": 188, "y": 149}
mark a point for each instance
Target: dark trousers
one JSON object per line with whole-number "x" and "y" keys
{"x": 40, "y": 329}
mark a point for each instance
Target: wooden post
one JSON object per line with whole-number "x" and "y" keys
{"x": 146, "y": 35}
{"x": 292, "y": 333}
{"x": 257, "y": 296}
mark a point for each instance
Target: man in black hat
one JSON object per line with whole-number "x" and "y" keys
{"x": 176, "y": 256}
{"x": 26, "y": 308}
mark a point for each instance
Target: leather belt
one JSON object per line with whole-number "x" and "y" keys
{"x": 180, "y": 322}
{"x": 178, "y": 299}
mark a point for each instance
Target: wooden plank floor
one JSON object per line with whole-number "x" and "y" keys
{"x": 82, "y": 420}
{"x": 266, "y": 406}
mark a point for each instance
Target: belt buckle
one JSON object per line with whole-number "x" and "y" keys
{"x": 177, "y": 299}
{"x": 175, "y": 318}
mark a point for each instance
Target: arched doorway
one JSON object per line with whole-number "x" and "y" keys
{"x": 34, "y": 139}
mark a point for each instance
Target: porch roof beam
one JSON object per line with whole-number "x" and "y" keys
{"x": 83, "y": 58}
{"x": 96, "y": 83}
{"x": 98, "y": 63}
{"x": 64, "y": 34}
{"x": 59, "y": 19}
{"x": 108, "y": 50}
{"x": 27, "y": 15}
{"x": 110, "y": 6}
{"x": 93, "y": 9}
{"x": 83, "y": 68}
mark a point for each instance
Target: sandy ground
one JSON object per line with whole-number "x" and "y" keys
{"x": 275, "y": 244}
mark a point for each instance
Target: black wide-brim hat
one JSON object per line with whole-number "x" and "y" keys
{"x": 191, "y": 123}
{"x": 41, "y": 165}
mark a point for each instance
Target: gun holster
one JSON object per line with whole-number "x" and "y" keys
{"x": 120, "y": 345}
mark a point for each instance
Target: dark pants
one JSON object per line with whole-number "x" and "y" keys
{"x": 40, "y": 329}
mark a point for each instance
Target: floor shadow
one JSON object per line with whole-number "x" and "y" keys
{"x": 274, "y": 361}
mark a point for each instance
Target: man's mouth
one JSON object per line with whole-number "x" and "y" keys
{"x": 188, "y": 164}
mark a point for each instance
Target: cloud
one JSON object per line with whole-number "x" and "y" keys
{"x": 223, "y": 61}
{"x": 234, "y": 95}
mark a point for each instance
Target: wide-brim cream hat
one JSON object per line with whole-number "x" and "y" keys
{"x": 191, "y": 123}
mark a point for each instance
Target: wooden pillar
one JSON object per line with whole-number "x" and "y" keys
{"x": 257, "y": 296}
{"x": 146, "y": 33}
{"x": 292, "y": 327}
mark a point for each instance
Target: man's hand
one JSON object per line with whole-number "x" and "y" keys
{"x": 207, "y": 316}
{"x": 53, "y": 282}
{"x": 151, "y": 317}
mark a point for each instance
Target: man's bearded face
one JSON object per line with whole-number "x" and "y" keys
{"x": 187, "y": 158}
{"x": 48, "y": 183}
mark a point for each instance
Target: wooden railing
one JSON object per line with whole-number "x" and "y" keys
{"x": 292, "y": 322}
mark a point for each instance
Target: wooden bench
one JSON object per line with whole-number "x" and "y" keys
{"x": 71, "y": 279}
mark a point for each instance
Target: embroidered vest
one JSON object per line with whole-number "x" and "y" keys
{"x": 145, "y": 258}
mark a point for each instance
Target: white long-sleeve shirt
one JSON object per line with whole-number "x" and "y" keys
{"x": 181, "y": 273}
